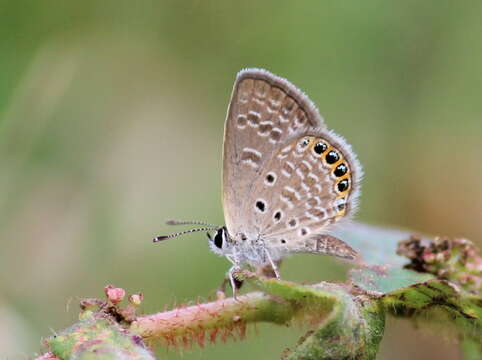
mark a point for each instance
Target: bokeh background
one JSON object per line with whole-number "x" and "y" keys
{"x": 111, "y": 120}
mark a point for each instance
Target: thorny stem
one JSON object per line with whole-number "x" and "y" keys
{"x": 217, "y": 317}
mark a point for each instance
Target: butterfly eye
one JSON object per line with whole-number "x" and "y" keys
{"x": 218, "y": 239}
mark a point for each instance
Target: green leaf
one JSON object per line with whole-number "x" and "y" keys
{"x": 385, "y": 281}
{"x": 377, "y": 245}
{"x": 438, "y": 302}
{"x": 96, "y": 337}
{"x": 349, "y": 325}
{"x": 445, "y": 289}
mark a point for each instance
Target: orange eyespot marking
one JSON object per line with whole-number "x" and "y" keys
{"x": 340, "y": 208}
{"x": 320, "y": 147}
{"x": 343, "y": 185}
{"x": 339, "y": 168}
{"x": 332, "y": 157}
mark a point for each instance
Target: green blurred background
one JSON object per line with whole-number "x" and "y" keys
{"x": 111, "y": 120}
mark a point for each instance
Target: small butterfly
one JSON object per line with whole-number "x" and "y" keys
{"x": 287, "y": 179}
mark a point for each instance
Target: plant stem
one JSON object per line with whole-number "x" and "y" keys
{"x": 218, "y": 317}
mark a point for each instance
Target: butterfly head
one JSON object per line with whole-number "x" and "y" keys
{"x": 219, "y": 241}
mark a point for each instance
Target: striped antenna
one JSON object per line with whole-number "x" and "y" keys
{"x": 188, "y": 222}
{"x": 165, "y": 237}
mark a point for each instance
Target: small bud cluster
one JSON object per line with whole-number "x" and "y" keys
{"x": 115, "y": 296}
{"x": 112, "y": 307}
{"x": 456, "y": 260}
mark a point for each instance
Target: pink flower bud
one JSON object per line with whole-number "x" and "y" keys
{"x": 115, "y": 295}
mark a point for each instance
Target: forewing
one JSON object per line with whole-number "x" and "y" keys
{"x": 264, "y": 113}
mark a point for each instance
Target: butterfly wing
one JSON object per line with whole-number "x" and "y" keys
{"x": 316, "y": 184}
{"x": 264, "y": 112}
{"x": 286, "y": 178}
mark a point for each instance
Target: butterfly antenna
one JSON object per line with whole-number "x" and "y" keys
{"x": 165, "y": 237}
{"x": 187, "y": 222}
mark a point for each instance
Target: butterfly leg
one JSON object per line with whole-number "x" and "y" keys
{"x": 221, "y": 291}
{"x": 235, "y": 283}
{"x": 273, "y": 264}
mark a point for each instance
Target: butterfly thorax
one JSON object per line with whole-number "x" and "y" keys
{"x": 241, "y": 250}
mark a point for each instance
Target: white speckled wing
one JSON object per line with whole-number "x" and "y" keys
{"x": 286, "y": 177}
{"x": 265, "y": 110}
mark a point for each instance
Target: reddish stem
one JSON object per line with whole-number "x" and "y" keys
{"x": 226, "y": 314}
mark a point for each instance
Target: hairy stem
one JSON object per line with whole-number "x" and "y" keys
{"x": 211, "y": 317}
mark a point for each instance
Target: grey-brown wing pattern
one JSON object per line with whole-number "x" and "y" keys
{"x": 287, "y": 178}
{"x": 265, "y": 111}
{"x": 323, "y": 244}
{"x": 317, "y": 183}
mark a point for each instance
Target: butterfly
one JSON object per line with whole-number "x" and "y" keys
{"x": 287, "y": 178}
